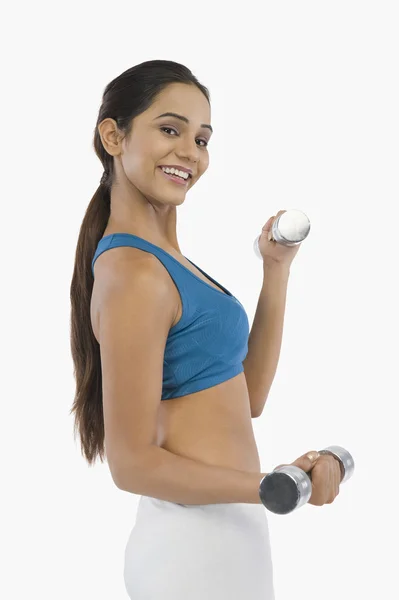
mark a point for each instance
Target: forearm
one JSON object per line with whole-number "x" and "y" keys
{"x": 167, "y": 476}
{"x": 264, "y": 342}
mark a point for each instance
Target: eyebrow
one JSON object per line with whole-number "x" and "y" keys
{"x": 172, "y": 114}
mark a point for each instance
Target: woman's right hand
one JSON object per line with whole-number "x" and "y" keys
{"x": 325, "y": 476}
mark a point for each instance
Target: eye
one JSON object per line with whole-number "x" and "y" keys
{"x": 171, "y": 129}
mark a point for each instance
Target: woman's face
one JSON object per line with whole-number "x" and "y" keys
{"x": 168, "y": 140}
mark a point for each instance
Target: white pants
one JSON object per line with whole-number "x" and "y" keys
{"x": 199, "y": 552}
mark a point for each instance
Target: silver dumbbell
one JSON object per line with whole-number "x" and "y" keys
{"x": 289, "y": 229}
{"x": 288, "y": 487}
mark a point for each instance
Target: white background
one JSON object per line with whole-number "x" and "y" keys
{"x": 305, "y": 113}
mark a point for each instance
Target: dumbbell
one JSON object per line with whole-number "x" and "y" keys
{"x": 289, "y": 229}
{"x": 288, "y": 487}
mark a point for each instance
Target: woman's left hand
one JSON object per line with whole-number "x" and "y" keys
{"x": 274, "y": 253}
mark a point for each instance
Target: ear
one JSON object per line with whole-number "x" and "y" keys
{"x": 108, "y": 131}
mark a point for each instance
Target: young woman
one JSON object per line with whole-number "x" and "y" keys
{"x": 168, "y": 373}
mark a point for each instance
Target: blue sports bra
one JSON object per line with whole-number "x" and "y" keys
{"x": 209, "y": 343}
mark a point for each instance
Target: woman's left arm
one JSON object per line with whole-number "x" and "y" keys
{"x": 264, "y": 342}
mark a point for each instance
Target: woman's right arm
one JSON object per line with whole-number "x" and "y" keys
{"x": 136, "y": 310}
{"x": 161, "y": 474}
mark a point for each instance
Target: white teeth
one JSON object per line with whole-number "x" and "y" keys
{"x": 172, "y": 171}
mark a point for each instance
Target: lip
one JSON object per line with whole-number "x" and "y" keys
{"x": 179, "y": 168}
{"x": 176, "y": 180}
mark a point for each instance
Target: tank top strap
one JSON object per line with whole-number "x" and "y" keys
{"x": 115, "y": 240}
{"x": 181, "y": 275}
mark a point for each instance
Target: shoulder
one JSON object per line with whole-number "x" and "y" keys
{"x": 125, "y": 268}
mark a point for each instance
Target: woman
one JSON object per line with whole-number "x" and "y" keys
{"x": 168, "y": 374}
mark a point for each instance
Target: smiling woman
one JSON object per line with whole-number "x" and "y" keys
{"x": 158, "y": 347}
{"x": 157, "y": 138}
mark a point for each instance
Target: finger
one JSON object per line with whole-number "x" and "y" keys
{"x": 336, "y": 475}
{"x": 334, "y": 478}
{"x": 268, "y": 224}
{"x": 319, "y": 486}
{"x": 338, "y": 470}
{"x": 327, "y": 478}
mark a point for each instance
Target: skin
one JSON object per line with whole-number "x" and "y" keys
{"x": 142, "y": 199}
{"x": 144, "y": 202}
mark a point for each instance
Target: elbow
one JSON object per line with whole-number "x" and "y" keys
{"x": 116, "y": 476}
{"x": 257, "y": 408}
{"x": 256, "y": 414}
{"x": 126, "y": 474}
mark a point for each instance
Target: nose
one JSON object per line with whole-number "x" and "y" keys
{"x": 189, "y": 150}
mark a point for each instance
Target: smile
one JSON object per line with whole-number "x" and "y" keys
{"x": 174, "y": 178}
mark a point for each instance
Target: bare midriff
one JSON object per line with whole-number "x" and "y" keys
{"x": 213, "y": 426}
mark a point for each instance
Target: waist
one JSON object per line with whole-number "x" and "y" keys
{"x": 213, "y": 426}
{"x": 209, "y": 447}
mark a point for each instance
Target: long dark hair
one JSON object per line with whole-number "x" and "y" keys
{"x": 123, "y": 99}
